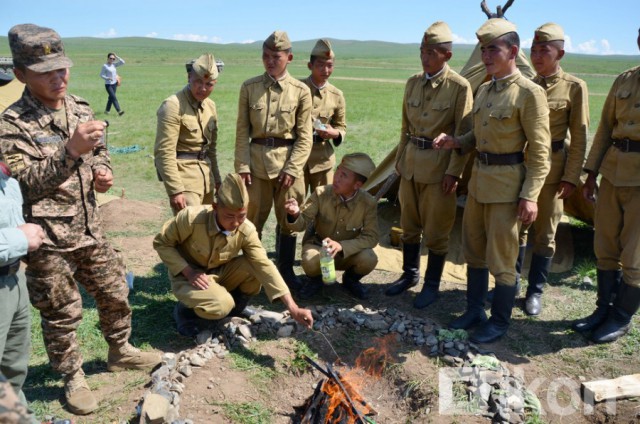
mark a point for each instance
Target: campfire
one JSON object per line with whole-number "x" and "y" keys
{"x": 336, "y": 399}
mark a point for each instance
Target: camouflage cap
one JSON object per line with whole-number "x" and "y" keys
{"x": 278, "y": 41}
{"x": 548, "y": 32}
{"x": 204, "y": 66}
{"x": 37, "y": 48}
{"x": 233, "y": 193}
{"x": 323, "y": 49}
{"x": 492, "y": 29}
{"x": 360, "y": 163}
{"x": 439, "y": 32}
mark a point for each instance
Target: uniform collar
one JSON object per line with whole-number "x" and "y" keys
{"x": 317, "y": 91}
{"x": 549, "y": 81}
{"x": 270, "y": 81}
{"x": 339, "y": 200}
{"x": 192, "y": 100}
{"x": 42, "y": 113}
{"x": 502, "y": 83}
{"x": 436, "y": 78}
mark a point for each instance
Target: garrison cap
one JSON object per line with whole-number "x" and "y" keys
{"x": 439, "y": 32}
{"x": 360, "y": 163}
{"x": 233, "y": 193}
{"x": 323, "y": 49}
{"x": 548, "y": 32}
{"x": 278, "y": 41}
{"x": 494, "y": 28}
{"x": 204, "y": 66}
{"x": 37, "y": 48}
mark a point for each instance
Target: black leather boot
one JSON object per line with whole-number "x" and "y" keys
{"x": 241, "y": 301}
{"x": 410, "y": 270}
{"x": 477, "y": 284}
{"x": 522, "y": 251}
{"x": 187, "y": 322}
{"x": 313, "y": 286}
{"x": 498, "y": 324}
{"x": 618, "y": 322}
{"x": 351, "y": 281}
{"x": 608, "y": 283}
{"x": 538, "y": 275}
{"x": 432, "y": 276}
{"x": 285, "y": 256}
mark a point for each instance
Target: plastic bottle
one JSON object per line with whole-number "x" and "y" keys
{"x": 327, "y": 265}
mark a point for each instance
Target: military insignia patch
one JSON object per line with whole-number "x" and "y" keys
{"x": 47, "y": 49}
{"x": 15, "y": 162}
{"x": 51, "y": 139}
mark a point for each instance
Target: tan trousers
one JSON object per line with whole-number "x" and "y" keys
{"x": 426, "y": 210}
{"x": 550, "y": 210}
{"x": 617, "y": 231}
{"x": 490, "y": 238}
{"x": 361, "y": 263}
{"x": 264, "y": 193}
{"x": 318, "y": 179}
{"x": 216, "y": 301}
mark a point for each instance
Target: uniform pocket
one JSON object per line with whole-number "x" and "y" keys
{"x": 440, "y": 106}
{"x": 502, "y": 113}
{"x": 190, "y": 123}
{"x": 557, "y": 105}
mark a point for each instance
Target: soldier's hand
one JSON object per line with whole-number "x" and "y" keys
{"x": 196, "y": 277}
{"x": 565, "y": 190}
{"x": 444, "y": 141}
{"x": 34, "y": 234}
{"x": 333, "y": 246}
{"x": 285, "y": 180}
{"x": 246, "y": 177}
{"x": 177, "y": 202}
{"x": 527, "y": 211}
{"x": 291, "y": 207}
{"x": 302, "y": 316}
{"x": 449, "y": 184}
{"x": 590, "y": 187}
{"x": 102, "y": 179}
{"x": 328, "y": 133}
{"x": 87, "y": 136}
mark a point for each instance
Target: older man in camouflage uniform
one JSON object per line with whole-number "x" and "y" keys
{"x": 273, "y": 141}
{"x": 510, "y": 116}
{"x": 53, "y": 144}
{"x": 328, "y": 115}
{"x": 186, "y": 138}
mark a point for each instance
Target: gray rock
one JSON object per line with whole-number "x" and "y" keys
{"x": 401, "y": 328}
{"x": 285, "y": 331}
{"x": 197, "y": 360}
{"x": 432, "y": 340}
{"x": 376, "y": 324}
{"x": 245, "y": 331}
{"x": 204, "y": 337}
{"x": 185, "y": 370}
{"x": 169, "y": 359}
{"x": 358, "y": 308}
{"x": 515, "y": 402}
{"x": 484, "y": 391}
{"x": 154, "y": 409}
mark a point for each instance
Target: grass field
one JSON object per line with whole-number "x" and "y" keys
{"x": 371, "y": 75}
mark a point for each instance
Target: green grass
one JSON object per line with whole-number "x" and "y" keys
{"x": 246, "y": 413}
{"x": 297, "y": 363}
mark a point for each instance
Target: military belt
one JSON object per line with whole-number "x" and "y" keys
{"x": 318, "y": 139}
{"x": 626, "y": 145}
{"x": 422, "y": 143}
{"x": 201, "y": 155}
{"x": 10, "y": 269}
{"x": 557, "y": 145}
{"x": 273, "y": 142}
{"x": 500, "y": 159}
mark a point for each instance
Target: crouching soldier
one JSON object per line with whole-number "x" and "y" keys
{"x": 216, "y": 261}
{"x": 346, "y": 218}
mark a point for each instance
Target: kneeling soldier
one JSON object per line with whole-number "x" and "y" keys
{"x": 346, "y": 218}
{"x": 216, "y": 261}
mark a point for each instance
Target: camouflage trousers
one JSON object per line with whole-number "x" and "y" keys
{"x": 11, "y": 409}
{"x": 52, "y": 279}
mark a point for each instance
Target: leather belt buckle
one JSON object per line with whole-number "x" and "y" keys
{"x": 202, "y": 154}
{"x": 483, "y": 158}
{"x": 622, "y": 144}
{"x": 270, "y": 142}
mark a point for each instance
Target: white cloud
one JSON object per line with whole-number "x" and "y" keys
{"x": 457, "y": 39}
{"x": 596, "y": 47}
{"x": 152, "y": 34}
{"x": 247, "y": 41}
{"x": 110, "y": 33}
{"x": 525, "y": 44}
{"x": 568, "y": 44}
{"x": 198, "y": 38}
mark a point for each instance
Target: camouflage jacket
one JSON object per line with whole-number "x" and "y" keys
{"x": 11, "y": 410}
{"x": 58, "y": 190}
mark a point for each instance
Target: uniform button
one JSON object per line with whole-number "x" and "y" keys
{"x": 636, "y": 105}
{"x": 484, "y": 141}
{"x": 425, "y": 114}
{"x": 428, "y": 99}
{"x": 489, "y": 104}
{"x": 485, "y": 123}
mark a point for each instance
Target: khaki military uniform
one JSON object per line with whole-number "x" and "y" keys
{"x": 278, "y": 109}
{"x": 187, "y": 127}
{"x": 329, "y": 107}
{"x": 233, "y": 261}
{"x": 441, "y": 104}
{"x": 58, "y": 196}
{"x": 568, "y": 101}
{"x": 352, "y": 223}
{"x": 509, "y": 115}
{"x": 617, "y": 236}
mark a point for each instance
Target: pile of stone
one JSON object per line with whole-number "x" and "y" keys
{"x": 491, "y": 390}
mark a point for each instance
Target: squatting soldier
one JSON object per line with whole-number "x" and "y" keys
{"x": 510, "y": 116}
{"x": 346, "y": 218}
{"x": 568, "y": 101}
{"x": 615, "y": 153}
{"x": 186, "y": 138}
{"x": 216, "y": 261}
{"x": 273, "y": 142}
{"x": 436, "y": 100}
{"x": 16, "y": 239}
{"x": 330, "y": 110}
{"x": 53, "y": 144}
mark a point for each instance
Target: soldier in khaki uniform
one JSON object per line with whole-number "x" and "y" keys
{"x": 510, "y": 116}
{"x": 346, "y": 218}
{"x": 186, "y": 138}
{"x": 216, "y": 261}
{"x": 437, "y": 100}
{"x": 53, "y": 144}
{"x": 615, "y": 153}
{"x": 568, "y": 101}
{"x": 328, "y": 111}
{"x": 273, "y": 142}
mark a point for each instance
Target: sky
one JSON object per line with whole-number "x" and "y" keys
{"x": 591, "y": 27}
